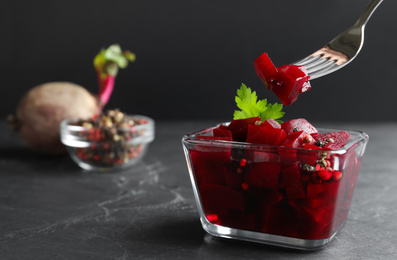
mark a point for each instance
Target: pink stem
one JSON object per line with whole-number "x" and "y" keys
{"x": 105, "y": 90}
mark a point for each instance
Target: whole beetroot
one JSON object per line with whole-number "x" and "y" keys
{"x": 41, "y": 110}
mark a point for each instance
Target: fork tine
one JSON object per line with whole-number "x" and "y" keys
{"x": 317, "y": 63}
{"x": 324, "y": 71}
{"x": 341, "y": 50}
{"x": 323, "y": 66}
{"x": 307, "y": 60}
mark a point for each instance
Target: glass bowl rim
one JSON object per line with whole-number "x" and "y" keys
{"x": 65, "y": 129}
{"x": 65, "y": 123}
{"x": 356, "y": 137}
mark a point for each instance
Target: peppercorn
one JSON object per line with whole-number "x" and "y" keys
{"x": 109, "y": 138}
{"x": 330, "y": 140}
{"x": 320, "y": 143}
{"x": 307, "y": 138}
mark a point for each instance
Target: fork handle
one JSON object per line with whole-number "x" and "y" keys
{"x": 366, "y": 14}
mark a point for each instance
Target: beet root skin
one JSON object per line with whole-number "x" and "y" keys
{"x": 41, "y": 110}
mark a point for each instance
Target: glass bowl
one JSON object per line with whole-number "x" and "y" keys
{"x": 106, "y": 149}
{"x": 269, "y": 194}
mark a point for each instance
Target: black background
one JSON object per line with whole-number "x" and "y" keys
{"x": 193, "y": 55}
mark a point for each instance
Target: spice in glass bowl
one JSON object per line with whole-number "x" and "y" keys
{"x": 108, "y": 141}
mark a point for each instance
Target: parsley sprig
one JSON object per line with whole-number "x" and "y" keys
{"x": 248, "y": 102}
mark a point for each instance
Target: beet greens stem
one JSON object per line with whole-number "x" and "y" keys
{"x": 107, "y": 63}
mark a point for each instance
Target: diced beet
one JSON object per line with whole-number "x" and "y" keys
{"x": 288, "y": 156}
{"x": 327, "y": 190}
{"x": 332, "y": 146}
{"x": 222, "y": 127}
{"x": 212, "y": 153}
{"x": 290, "y": 81}
{"x": 314, "y": 222}
{"x": 272, "y": 123}
{"x": 208, "y": 160}
{"x": 264, "y": 174}
{"x": 260, "y": 134}
{"x": 270, "y": 155}
{"x": 311, "y": 203}
{"x": 298, "y": 124}
{"x": 233, "y": 179}
{"x": 221, "y": 132}
{"x": 339, "y": 138}
{"x": 239, "y": 128}
{"x": 292, "y": 181}
{"x": 273, "y": 197}
{"x": 265, "y": 69}
{"x": 308, "y": 157}
{"x": 280, "y": 220}
{"x": 294, "y": 139}
{"x": 205, "y": 170}
{"x": 217, "y": 196}
{"x": 312, "y": 147}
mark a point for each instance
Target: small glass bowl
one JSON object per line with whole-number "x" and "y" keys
{"x": 95, "y": 150}
{"x": 268, "y": 194}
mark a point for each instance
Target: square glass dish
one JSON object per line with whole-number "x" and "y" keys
{"x": 272, "y": 194}
{"x": 107, "y": 148}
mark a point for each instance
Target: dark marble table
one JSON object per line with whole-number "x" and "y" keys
{"x": 50, "y": 209}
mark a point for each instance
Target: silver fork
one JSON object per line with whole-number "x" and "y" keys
{"x": 342, "y": 49}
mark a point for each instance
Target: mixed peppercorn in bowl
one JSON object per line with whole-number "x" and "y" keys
{"x": 110, "y": 141}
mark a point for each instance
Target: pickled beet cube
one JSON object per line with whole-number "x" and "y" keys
{"x": 218, "y": 196}
{"x": 272, "y": 123}
{"x": 339, "y": 139}
{"x": 265, "y": 69}
{"x": 312, "y": 147}
{"x": 221, "y": 132}
{"x": 263, "y": 156}
{"x": 299, "y": 124}
{"x": 314, "y": 221}
{"x": 308, "y": 157}
{"x": 213, "y": 153}
{"x": 239, "y": 128}
{"x": 327, "y": 190}
{"x": 291, "y": 178}
{"x": 294, "y": 140}
{"x": 260, "y": 134}
{"x": 280, "y": 220}
{"x": 332, "y": 146}
{"x": 290, "y": 81}
{"x": 233, "y": 179}
{"x": 207, "y": 171}
{"x": 264, "y": 174}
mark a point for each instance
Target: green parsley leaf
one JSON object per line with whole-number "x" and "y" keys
{"x": 273, "y": 111}
{"x": 248, "y": 102}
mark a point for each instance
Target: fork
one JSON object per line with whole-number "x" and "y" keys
{"x": 341, "y": 50}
